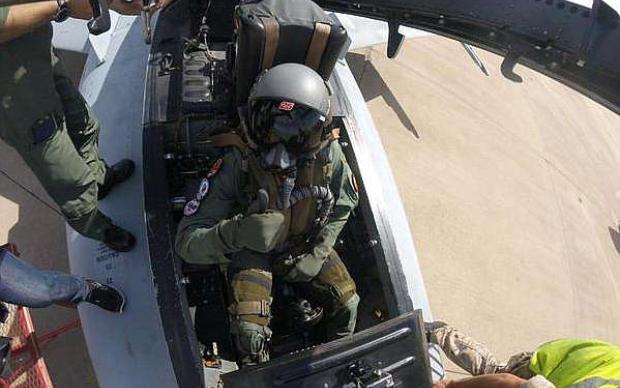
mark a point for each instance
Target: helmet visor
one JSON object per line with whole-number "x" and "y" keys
{"x": 298, "y": 128}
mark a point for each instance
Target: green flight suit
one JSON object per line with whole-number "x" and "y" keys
{"x": 44, "y": 117}
{"x": 212, "y": 236}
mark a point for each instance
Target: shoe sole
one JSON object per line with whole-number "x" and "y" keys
{"x": 122, "y": 308}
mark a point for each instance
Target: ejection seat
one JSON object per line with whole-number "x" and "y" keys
{"x": 271, "y": 32}
{"x": 268, "y": 33}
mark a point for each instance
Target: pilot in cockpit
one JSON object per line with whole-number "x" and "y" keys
{"x": 274, "y": 206}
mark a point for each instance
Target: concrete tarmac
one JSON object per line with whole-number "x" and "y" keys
{"x": 512, "y": 192}
{"x": 30, "y": 221}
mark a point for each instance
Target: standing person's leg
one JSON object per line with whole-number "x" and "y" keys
{"x": 50, "y": 153}
{"x": 82, "y": 126}
{"x": 44, "y": 144}
{"x": 251, "y": 282}
{"x": 52, "y": 157}
{"x": 24, "y": 285}
{"x": 83, "y": 129}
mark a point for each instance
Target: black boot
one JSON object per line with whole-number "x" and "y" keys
{"x": 115, "y": 175}
{"x": 106, "y": 297}
{"x": 118, "y": 239}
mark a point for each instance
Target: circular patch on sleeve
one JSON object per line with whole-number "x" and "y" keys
{"x": 191, "y": 207}
{"x": 203, "y": 189}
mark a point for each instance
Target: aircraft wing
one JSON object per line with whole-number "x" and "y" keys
{"x": 575, "y": 44}
{"x": 73, "y": 35}
{"x": 366, "y": 32}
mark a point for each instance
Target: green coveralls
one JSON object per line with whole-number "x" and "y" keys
{"x": 44, "y": 117}
{"x": 205, "y": 238}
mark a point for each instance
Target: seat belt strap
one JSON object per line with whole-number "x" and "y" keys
{"x": 272, "y": 37}
{"x": 320, "y": 36}
{"x": 261, "y": 308}
{"x": 228, "y": 139}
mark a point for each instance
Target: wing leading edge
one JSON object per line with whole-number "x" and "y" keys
{"x": 574, "y": 44}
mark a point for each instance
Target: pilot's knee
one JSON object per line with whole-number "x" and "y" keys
{"x": 251, "y": 341}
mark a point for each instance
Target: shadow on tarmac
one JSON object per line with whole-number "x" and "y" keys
{"x": 372, "y": 85}
{"x": 615, "y": 237}
{"x": 40, "y": 235}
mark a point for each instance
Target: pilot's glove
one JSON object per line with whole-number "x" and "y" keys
{"x": 260, "y": 232}
{"x": 303, "y": 268}
{"x": 306, "y": 266}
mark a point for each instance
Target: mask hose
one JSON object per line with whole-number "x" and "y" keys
{"x": 322, "y": 194}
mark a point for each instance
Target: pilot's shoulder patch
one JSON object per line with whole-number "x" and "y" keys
{"x": 191, "y": 207}
{"x": 215, "y": 168}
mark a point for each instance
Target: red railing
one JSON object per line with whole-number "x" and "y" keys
{"x": 26, "y": 367}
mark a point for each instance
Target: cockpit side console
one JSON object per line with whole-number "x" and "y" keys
{"x": 393, "y": 353}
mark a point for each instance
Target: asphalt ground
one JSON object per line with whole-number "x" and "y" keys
{"x": 30, "y": 219}
{"x": 512, "y": 193}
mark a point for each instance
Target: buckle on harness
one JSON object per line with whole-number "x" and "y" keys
{"x": 261, "y": 308}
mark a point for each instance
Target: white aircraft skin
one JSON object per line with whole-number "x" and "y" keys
{"x": 130, "y": 350}
{"x": 127, "y": 350}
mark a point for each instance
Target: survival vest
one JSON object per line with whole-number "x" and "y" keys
{"x": 302, "y": 215}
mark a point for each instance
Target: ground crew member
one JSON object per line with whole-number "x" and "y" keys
{"x": 23, "y": 285}
{"x": 44, "y": 117}
{"x": 570, "y": 363}
{"x": 291, "y": 156}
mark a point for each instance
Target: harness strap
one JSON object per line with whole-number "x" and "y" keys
{"x": 334, "y": 135}
{"x": 317, "y": 44}
{"x": 272, "y": 37}
{"x": 305, "y": 212}
{"x": 261, "y": 308}
{"x": 228, "y": 139}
